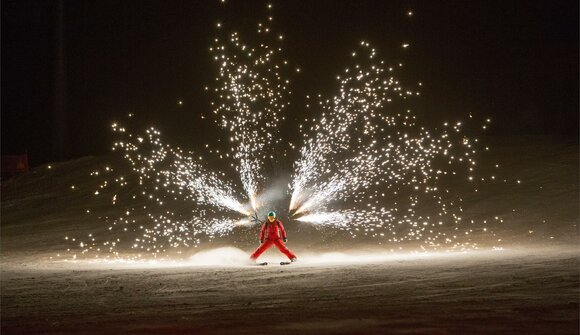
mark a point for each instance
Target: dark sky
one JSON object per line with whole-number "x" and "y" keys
{"x": 515, "y": 61}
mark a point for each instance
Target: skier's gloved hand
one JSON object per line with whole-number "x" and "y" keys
{"x": 285, "y": 240}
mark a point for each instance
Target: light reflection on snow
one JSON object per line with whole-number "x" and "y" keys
{"x": 234, "y": 257}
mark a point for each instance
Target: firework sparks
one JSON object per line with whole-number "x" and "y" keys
{"x": 172, "y": 203}
{"x": 368, "y": 149}
{"x": 252, "y": 91}
{"x": 172, "y": 168}
{"x": 365, "y": 166}
{"x": 350, "y": 218}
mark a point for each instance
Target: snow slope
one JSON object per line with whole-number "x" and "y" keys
{"x": 487, "y": 293}
{"x": 340, "y": 286}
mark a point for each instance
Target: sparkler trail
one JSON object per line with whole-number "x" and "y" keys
{"x": 362, "y": 93}
{"x": 172, "y": 168}
{"x": 367, "y": 149}
{"x": 367, "y": 167}
{"x": 169, "y": 200}
{"x": 252, "y": 91}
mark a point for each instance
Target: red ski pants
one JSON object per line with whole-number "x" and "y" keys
{"x": 268, "y": 243}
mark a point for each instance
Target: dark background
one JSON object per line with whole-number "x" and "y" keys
{"x": 514, "y": 61}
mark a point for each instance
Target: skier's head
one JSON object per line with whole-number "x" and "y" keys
{"x": 272, "y": 216}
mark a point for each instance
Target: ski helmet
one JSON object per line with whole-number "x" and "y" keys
{"x": 272, "y": 214}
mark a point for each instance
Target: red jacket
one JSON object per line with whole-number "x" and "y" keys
{"x": 272, "y": 230}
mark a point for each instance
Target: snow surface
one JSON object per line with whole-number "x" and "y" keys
{"x": 340, "y": 286}
{"x": 489, "y": 293}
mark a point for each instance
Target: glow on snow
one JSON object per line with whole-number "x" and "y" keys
{"x": 365, "y": 166}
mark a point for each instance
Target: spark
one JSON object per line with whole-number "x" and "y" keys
{"x": 361, "y": 145}
{"x": 252, "y": 92}
{"x": 367, "y": 166}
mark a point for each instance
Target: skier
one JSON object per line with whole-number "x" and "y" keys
{"x": 273, "y": 233}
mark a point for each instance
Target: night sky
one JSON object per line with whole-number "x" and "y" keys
{"x": 513, "y": 61}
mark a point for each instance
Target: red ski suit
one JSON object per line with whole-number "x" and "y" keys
{"x": 272, "y": 233}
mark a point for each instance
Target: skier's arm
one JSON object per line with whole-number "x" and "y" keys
{"x": 282, "y": 230}
{"x": 263, "y": 231}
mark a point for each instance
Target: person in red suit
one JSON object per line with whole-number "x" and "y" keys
{"x": 273, "y": 233}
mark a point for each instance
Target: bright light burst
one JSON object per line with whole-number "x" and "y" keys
{"x": 177, "y": 172}
{"x": 367, "y": 150}
{"x": 168, "y": 199}
{"x": 252, "y": 93}
{"x": 367, "y": 166}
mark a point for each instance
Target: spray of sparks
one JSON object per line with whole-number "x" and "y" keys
{"x": 174, "y": 203}
{"x": 252, "y": 91}
{"x": 367, "y": 150}
{"x": 365, "y": 166}
{"x": 178, "y": 200}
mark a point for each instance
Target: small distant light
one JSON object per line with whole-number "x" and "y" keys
{"x": 219, "y": 25}
{"x": 405, "y": 45}
{"x": 50, "y": 167}
{"x": 180, "y": 102}
{"x": 410, "y": 13}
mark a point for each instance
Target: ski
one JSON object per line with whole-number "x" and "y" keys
{"x": 285, "y": 263}
{"x": 262, "y": 264}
